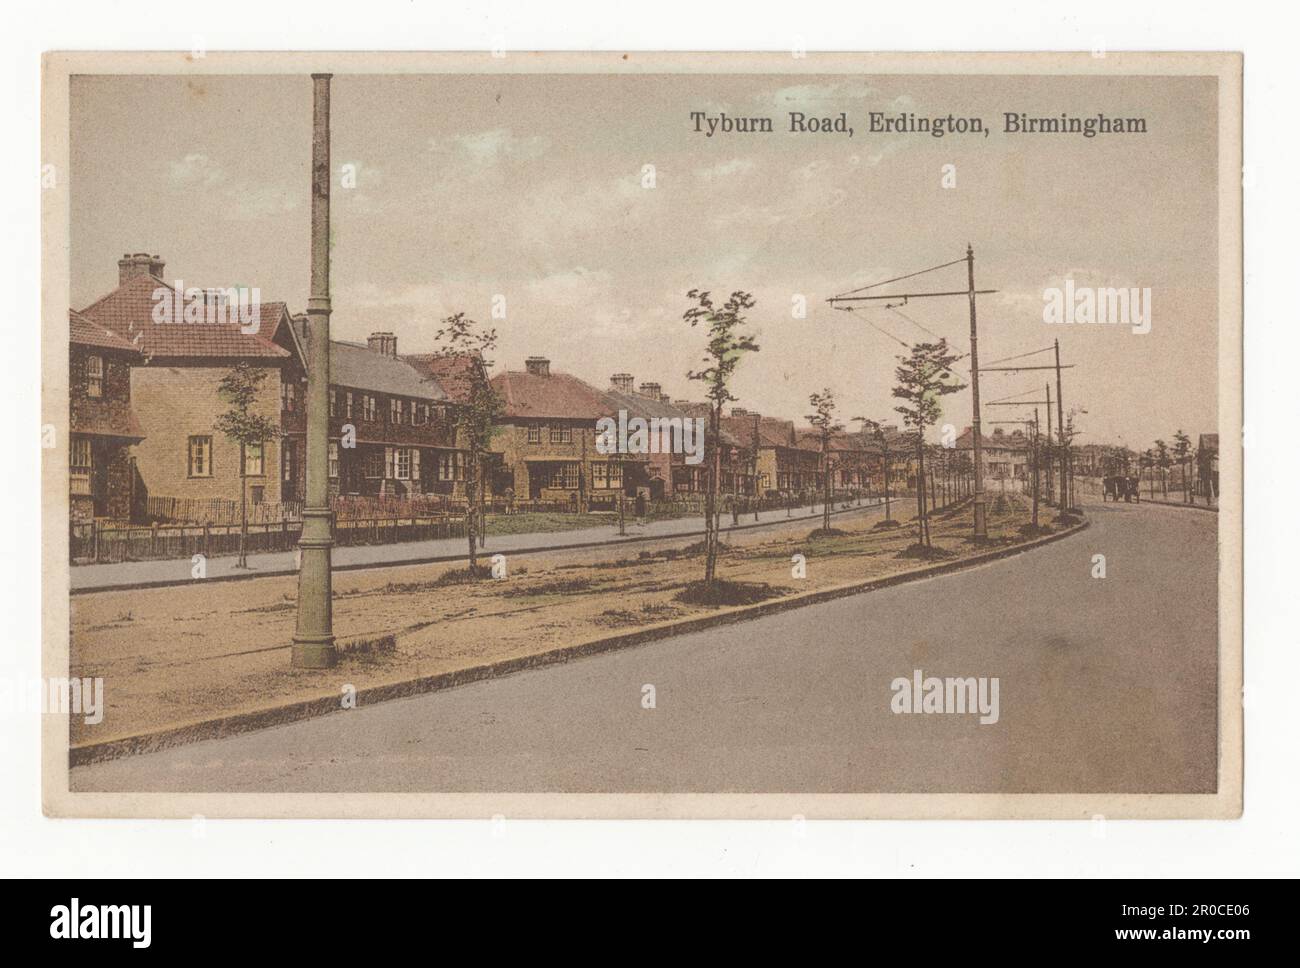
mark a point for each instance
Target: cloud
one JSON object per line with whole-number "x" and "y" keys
{"x": 236, "y": 199}
{"x": 250, "y": 203}
{"x": 488, "y": 148}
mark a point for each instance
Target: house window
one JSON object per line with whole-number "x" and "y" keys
{"x": 371, "y": 407}
{"x": 287, "y": 454}
{"x": 395, "y": 411}
{"x": 334, "y": 403}
{"x": 534, "y": 433}
{"x": 403, "y": 469}
{"x": 288, "y": 396}
{"x": 451, "y": 466}
{"x": 565, "y": 476}
{"x": 200, "y": 452}
{"x": 334, "y": 459}
{"x": 606, "y": 475}
{"x": 562, "y": 434}
{"x": 253, "y": 459}
{"x": 94, "y": 376}
{"x": 420, "y": 414}
{"x": 257, "y": 493}
{"x": 79, "y": 465}
{"x": 347, "y": 406}
{"x": 373, "y": 466}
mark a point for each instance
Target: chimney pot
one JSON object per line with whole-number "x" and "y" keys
{"x": 133, "y": 265}
{"x": 622, "y": 382}
{"x": 538, "y": 366}
{"x": 383, "y": 343}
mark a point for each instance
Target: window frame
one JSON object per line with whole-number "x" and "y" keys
{"x": 189, "y": 456}
{"x": 95, "y": 375}
{"x": 248, "y": 456}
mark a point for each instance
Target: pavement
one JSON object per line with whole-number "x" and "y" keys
{"x": 1105, "y": 686}
{"x": 129, "y": 574}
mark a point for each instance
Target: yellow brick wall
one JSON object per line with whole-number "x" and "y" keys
{"x": 174, "y": 402}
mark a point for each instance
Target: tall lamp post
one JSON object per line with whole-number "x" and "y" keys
{"x": 313, "y": 639}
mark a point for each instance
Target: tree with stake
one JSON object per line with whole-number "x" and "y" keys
{"x": 823, "y": 419}
{"x": 924, "y": 377}
{"x": 460, "y": 336}
{"x": 727, "y": 344}
{"x": 240, "y": 388}
{"x": 1183, "y": 453}
{"x": 1163, "y": 462}
{"x": 876, "y": 432}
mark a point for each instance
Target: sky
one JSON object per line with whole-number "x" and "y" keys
{"x": 531, "y": 187}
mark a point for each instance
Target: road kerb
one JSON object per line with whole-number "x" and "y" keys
{"x": 284, "y": 714}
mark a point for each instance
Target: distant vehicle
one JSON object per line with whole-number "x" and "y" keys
{"x": 1117, "y": 485}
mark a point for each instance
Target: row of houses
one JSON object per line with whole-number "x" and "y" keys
{"x": 145, "y": 399}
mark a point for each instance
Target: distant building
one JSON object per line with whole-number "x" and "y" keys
{"x": 546, "y": 437}
{"x": 785, "y": 465}
{"x": 1007, "y": 458}
{"x": 402, "y": 424}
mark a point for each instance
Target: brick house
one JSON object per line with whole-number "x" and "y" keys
{"x": 785, "y": 465}
{"x": 668, "y": 471}
{"x": 174, "y": 387}
{"x": 546, "y": 438}
{"x": 402, "y": 424}
{"x": 1007, "y": 458}
{"x": 102, "y": 426}
{"x": 455, "y": 375}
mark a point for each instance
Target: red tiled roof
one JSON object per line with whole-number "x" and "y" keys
{"x": 128, "y": 311}
{"x": 86, "y": 332}
{"x": 772, "y": 431}
{"x": 453, "y": 372}
{"x": 557, "y": 395}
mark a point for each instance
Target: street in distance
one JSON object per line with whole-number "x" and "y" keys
{"x": 880, "y": 122}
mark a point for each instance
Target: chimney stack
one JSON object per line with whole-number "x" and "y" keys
{"x": 651, "y": 390}
{"x": 384, "y": 343}
{"x": 622, "y": 382}
{"x": 739, "y": 412}
{"x": 135, "y": 264}
{"x": 538, "y": 366}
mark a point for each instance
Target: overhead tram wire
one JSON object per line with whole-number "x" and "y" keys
{"x": 1012, "y": 396}
{"x": 880, "y": 329}
{"x": 919, "y": 272}
{"x": 1021, "y": 356}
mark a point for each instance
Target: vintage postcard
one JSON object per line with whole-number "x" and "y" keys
{"x": 632, "y": 435}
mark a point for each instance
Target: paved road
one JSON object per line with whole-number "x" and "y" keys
{"x": 1105, "y": 686}
{"x": 176, "y": 571}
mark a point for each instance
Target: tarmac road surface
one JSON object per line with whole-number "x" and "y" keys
{"x": 1105, "y": 686}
